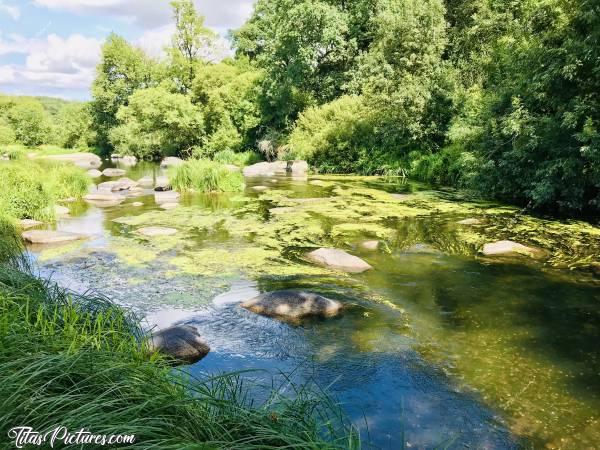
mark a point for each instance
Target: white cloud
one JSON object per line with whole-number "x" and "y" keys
{"x": 12, "y": 11}
{"x": 153, "y": 14}
{"x": 53, "y": 62}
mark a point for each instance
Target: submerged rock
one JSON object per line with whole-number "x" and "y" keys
{"x": 156, "y": 231}
{"x": 94, "y": 173}
{"x": 338, "y": 259}
{"x": 167, "y": 206}
{"x": 104, "y": 200}
{"x": 166, "y": 197}
{"x": 293, "y": 305}
{"x": 61, "y": 210}
{"x": 146, "y": 181}
{"x": 50, "y": 237}
{"x": 259, "y": 188}
{"x": 269, "y": 169}
{"x": 171, "y": 161}
{"x": 137, "y": 204}
{"x": 500, "y": 248}
{"x": 29, "y": 223}
{"x": 471, "y": 221}
{"x": 369, "y": 245}
{"x": 113, "y": 172}
{"x": 183, "y": 343}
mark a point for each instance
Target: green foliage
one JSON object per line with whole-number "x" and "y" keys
{"x": 451, "y": 166}
{"x": 240, "y": 159}
{"x": 203, "y": 175}
{"x": 7, "y": 134}
{"x": 74, "y": 123}
{"x": 32, "y": 188}
{"x": 156, "y": 122}
{"x": 30, "y": 122}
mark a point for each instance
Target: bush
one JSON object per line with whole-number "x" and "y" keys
{"x": 32, "y": 188}
{"x": 204, "y": 175}
{"x": 241, "y": 159}
{"x": 451, "y": 166}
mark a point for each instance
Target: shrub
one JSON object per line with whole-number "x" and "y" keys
{"x": 239, "y": 159}
{"x": 451, "y": 166}
{"x": 31, "y": 188}
{"x": 204, "y": 175}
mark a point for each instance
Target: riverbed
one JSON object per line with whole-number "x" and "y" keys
{"x": 438, "y": 346}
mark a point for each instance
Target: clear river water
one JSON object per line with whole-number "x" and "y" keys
{"x": 438, "y": 346}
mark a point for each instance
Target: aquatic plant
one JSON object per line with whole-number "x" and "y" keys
{"x": 204, "y": 175}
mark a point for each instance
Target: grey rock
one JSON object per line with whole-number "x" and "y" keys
{"x": 269, "y": 169}
{"x": 29, "y": 223}
{"x": 50, "y": 237}
{"x": 182, "y": 343}
{"x": 507, "y": 248}
{"x": 94, "y": 173}
{"x": 338, "y": 259}
{"x": 113, "y": 172}
{"x": 293, "y": 305}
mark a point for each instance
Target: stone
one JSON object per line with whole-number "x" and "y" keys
{"x": 94, "y": 173}
{"x": 146, "y": 181}
{"x": 369, "y": 245}
{"x": 338, "y": 259}
{"x": 162, "y": 184}
{"x": 30, "y": 223}
{"x": 293, "y": 305}
{"x": 104, "y": 200}
{"x": 507, "y": 248}
{"x": 61, "y": 210}
{"x": 113, "y": 172}
{"x": 182, "y": 343}
{"x": 166, "y": 197}
{"x": 137, "y": 204}
{"x": 156, "y": 231}
{"x": 259, "y": 188}
{"x": 124, "y": 184}
{"x": 129, "y": 160}
{"x": 232, "y": 167}
{"x": 171, "y": 161}
{"x": 469, "y": 222}
{"x": 269, "y": 169}
{"x": 50, "y": 237}
{"x": 167, "y": 206}
{"x": 83, "y": 160}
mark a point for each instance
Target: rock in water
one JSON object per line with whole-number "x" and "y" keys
{"x": 156, "y": 231}
{"x": 369, "y": 245}
{"x": 259, "y": 188}
{"x": 167, "y": 206}
{"x": 162, "y": 184}
{"x": 29, "y": 223}
{"x": 104, "y": 200}
{"x": 113, "y": 172}
{"x": 61, "y": 210}
{"x": 166, "y": 197}
{"x": 338, "y": 259}
{"x": 137, "y": 204}
{"x": 293, "y": 305}
{"x": 94, "y": 173}
{"x": 83, "y": 160}
{"x": 501, "y": 248}
{"x": 171, "y": 161}
{"x": 146, "y": 181}
{"x": 50, "y": 237}
{"x": 183, "y": 343}
{"x": 469, "y": 222}
{"x": 269, "y": 169}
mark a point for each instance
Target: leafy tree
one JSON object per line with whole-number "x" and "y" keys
{"x": 30, "y": 122}
{"x": 122, "y": 70}
{"x": 192, "y": 43}
{"x": 74, "y": 123}
{"x": 157, "y": 122}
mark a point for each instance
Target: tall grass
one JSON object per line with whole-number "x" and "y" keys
{"x": 204, "y": 175}
{"x": 30, "y": 189}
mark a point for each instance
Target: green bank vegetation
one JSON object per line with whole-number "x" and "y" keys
{"x": 497, "y": 97}
{"x": 204, "y": 175}
{"x": 77, "y": 360}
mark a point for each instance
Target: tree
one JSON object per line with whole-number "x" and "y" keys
{"x": 157, "y": 122}
{"x": 122, "y": 70}
{"x": 74, "y": 123}
{"x": 30, "y": 122}
{"x": 192, "y": 43}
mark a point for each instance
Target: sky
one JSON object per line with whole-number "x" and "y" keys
{"x": 52, "y": 47}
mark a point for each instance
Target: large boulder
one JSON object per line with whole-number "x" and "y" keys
{"x": 128, "y": 161}
{"x": 83, "y": 160}
{"x": 171, "y": 161}
{"x": 293, "y": 305}
{"x": 156, "y": 231}
{"x": 338, "y": 259}
{"x": 94, "y": 173}
{"x": 50, "y": 237}
{"x": 269, "y": 169}
{"x": 104, "y": 199}
{"x": 111, "y": 172}
{"x": 508, "y": 248}
{"x": 122, "y": 184}
{"x": 182, "y": 343}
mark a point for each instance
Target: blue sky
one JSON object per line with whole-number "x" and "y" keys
{"x": 51, "y": 47}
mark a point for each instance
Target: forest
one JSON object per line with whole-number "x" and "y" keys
{"x": 501, "y": 98}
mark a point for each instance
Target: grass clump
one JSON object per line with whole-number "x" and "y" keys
{"x": 204, "y": 175}
{"x": 241, "y": 159}
{"x": 30, "y": 189}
